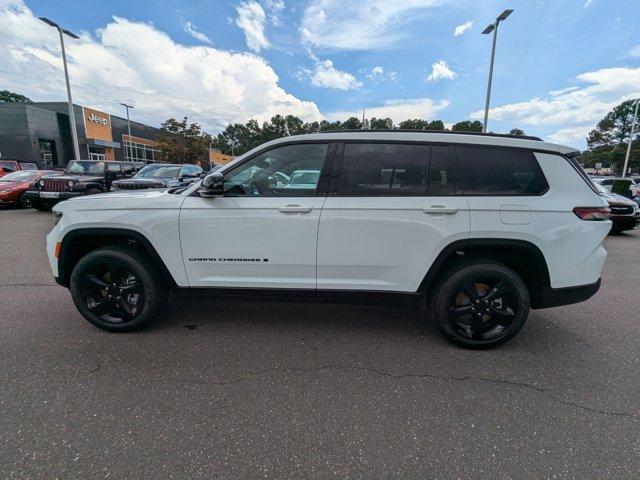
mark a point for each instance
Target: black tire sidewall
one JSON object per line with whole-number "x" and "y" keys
{"x": 152, "y": 291}
{"x": 23, "y": 201}
{"x": 440, "y": 302}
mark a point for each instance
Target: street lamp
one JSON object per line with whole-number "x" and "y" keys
{"x": 129, "y": 128}
{"x": 633, "y": 131}
{"x": 492, "y": 28}
{"x": 72, "y": 117}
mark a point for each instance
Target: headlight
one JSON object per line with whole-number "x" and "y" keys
{"x": 56, "y": 217}
{"x": 71, "y": 183}
{"x": 41, "y": 183}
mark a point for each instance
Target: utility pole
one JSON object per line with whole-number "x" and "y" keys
{"x": 72, "y": 117}
{"x": 492, "y": 28}
{"x": 633, "y": 131}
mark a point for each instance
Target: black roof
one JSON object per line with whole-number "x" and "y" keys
{"x": 445, "y": 132}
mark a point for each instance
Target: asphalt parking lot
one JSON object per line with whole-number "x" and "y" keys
{"x": 221, "y": 389}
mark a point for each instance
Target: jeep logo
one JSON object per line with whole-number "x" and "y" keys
{"x": 92, "y": 117}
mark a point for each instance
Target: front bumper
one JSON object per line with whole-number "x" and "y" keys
{"x": 52, "y": 196}
{"x": 625, "y": 222}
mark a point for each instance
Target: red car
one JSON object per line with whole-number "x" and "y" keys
{"x": 13, "y": 185}
{"x": 9, "y": 165}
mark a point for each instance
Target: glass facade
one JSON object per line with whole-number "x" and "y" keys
{"x": 139, "y": 152}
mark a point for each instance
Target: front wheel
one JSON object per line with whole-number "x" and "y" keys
{"x": 479, "y": 304}
{"x": 23, "y": 201}
{"x": 117, "y": 289}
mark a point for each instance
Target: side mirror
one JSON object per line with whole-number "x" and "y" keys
{"x": 212, "y": 185}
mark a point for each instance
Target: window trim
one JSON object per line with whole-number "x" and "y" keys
{"x": 327, "y": 164}
{"x": 532, "y": 152}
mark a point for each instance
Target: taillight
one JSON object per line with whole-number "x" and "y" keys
{"x": 594, "y": 214}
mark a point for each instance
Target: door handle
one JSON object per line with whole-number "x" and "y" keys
{"x": 439, "y": 210}
{"x": 294, "y": 209}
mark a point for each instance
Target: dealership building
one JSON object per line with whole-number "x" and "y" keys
{"x": 40, "y": 132}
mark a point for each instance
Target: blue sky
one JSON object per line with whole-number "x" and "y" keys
{"x": 560, "y": 66}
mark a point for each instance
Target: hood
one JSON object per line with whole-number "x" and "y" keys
{"x": 13, "y": 185}
{"x": 145, "y": 182}
{"x": 615, "y": 199}
{"x": 77, "y": 178}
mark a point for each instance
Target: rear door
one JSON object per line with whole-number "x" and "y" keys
{"x": 392, "y": 209}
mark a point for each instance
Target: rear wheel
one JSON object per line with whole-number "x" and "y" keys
{"x": 479, "y": 304}
{"x": 117, "y": 289}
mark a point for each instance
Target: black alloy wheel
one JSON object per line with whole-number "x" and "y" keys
{"x": 23, "y": 201}
{"x": 117, "y": 289}
{"x": 480, "y": 304}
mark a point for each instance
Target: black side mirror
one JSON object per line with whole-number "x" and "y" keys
{"x": 212, "y": 185}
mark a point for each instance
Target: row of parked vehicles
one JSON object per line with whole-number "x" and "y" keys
{"x": 625, "y": 209}
{"x": 25, "y": 186}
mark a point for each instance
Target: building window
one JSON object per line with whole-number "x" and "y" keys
{"x": 46, "y": 153}
{"x": 139, "y": 152}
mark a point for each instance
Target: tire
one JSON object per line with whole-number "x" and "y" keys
{"x": 41, "y": 206}
{"x": 23, "y": 201}
{"x": 128, "y": 302}
{"x": 479, "y": 304}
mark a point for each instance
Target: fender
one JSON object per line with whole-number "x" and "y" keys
{"x": 104, "y": 235}
{"x": 499, "y": 243}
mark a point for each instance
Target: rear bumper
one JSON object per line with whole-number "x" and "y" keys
{"x": 52, "y": 196}
{"x": 555, "y": 297}
{"x": 624, "y": 222}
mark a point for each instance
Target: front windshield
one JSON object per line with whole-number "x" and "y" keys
{"x": 21, "y": 176}
{"x": 85, "y": 168}
{"x": 156, "y": 171}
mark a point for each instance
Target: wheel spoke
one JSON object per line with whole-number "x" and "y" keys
{"x": 95, "y": 281}
{"x": 497, "y": 291}
{"x": 101, "y": 307}
{"x": 477, "y": 327}
{"x": 502, "y": 317}
{"x": 114, "y": 272}
{"x": 457, "y": 312}
{"x": 471, "y": 291}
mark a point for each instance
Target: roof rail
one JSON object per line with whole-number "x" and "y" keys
{"x": 446, "y": 132}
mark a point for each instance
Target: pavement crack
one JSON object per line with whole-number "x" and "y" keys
{"x": 245, "y": 376}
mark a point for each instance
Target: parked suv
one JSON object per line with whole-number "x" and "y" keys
{"x": 476, "y": 228}
{"x": 160, "y": 175}
{"x": 9, "y": 165}
{"x": 81, "y": 177}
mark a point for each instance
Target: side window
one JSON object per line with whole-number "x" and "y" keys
{"x": 8, "y": 167}
{"x": 440, "y": 173}
{"x": 114, "y": 167}
{"x": 127, "y": 169}
{"x": 383, "y": 169}
{"x": 499, "y": 171}
{"x": 289, "y": 171}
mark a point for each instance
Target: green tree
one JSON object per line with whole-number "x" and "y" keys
{"x": 468, "y": 126}
{"x": 8, "y": 97}
{"x": 180, "y": 142}
{"x": 352, "y": 123}
{"x": 516, "y": 131}
{"x": 607, "y": 143}
{"x": 381, "y": 124}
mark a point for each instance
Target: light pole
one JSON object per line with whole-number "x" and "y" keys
{"x": 129, "y": 129}
{"x": 633, "y": 131}
{"x": 492, "y": 28}
{"x": 72, "y": 117}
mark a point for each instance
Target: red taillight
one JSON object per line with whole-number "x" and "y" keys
{"x": 594, "y": 214}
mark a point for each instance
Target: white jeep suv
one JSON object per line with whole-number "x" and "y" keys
{"x": 477, "y": 228}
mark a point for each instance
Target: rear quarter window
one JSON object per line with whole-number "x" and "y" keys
{"x": 497, "y": 171}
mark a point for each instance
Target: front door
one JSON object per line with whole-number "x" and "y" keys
{"x": 263, "y": 232}
{"x": 393, "y": 208}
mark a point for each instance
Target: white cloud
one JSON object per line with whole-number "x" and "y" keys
{"x": 575, "y": 109}
{"x": 135, "y": 62}
{"x": 588, "y": 3}
{"x": 251, "y": 20}
{"x": 327, "y": 76}
{"x": 191, "y": 29}
{"x": 275, "y": 7}
{"x": 398, "y": 110}
{"x": 378, "y": 74}
{"x": 360, "y": 25}
{"x": 635, "y": 51}
{"x": 460, "y": 29}
{"x": 440, "y": 70}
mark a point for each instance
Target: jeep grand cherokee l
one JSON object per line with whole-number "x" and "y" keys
{"x": 81, "y": 177}
{"x": 477, "y": 228}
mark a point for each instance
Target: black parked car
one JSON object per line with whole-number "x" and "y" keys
{"x": 81, "y": 177}
{"x": 625, "y": 213}
{"x": 160, "y": 175}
